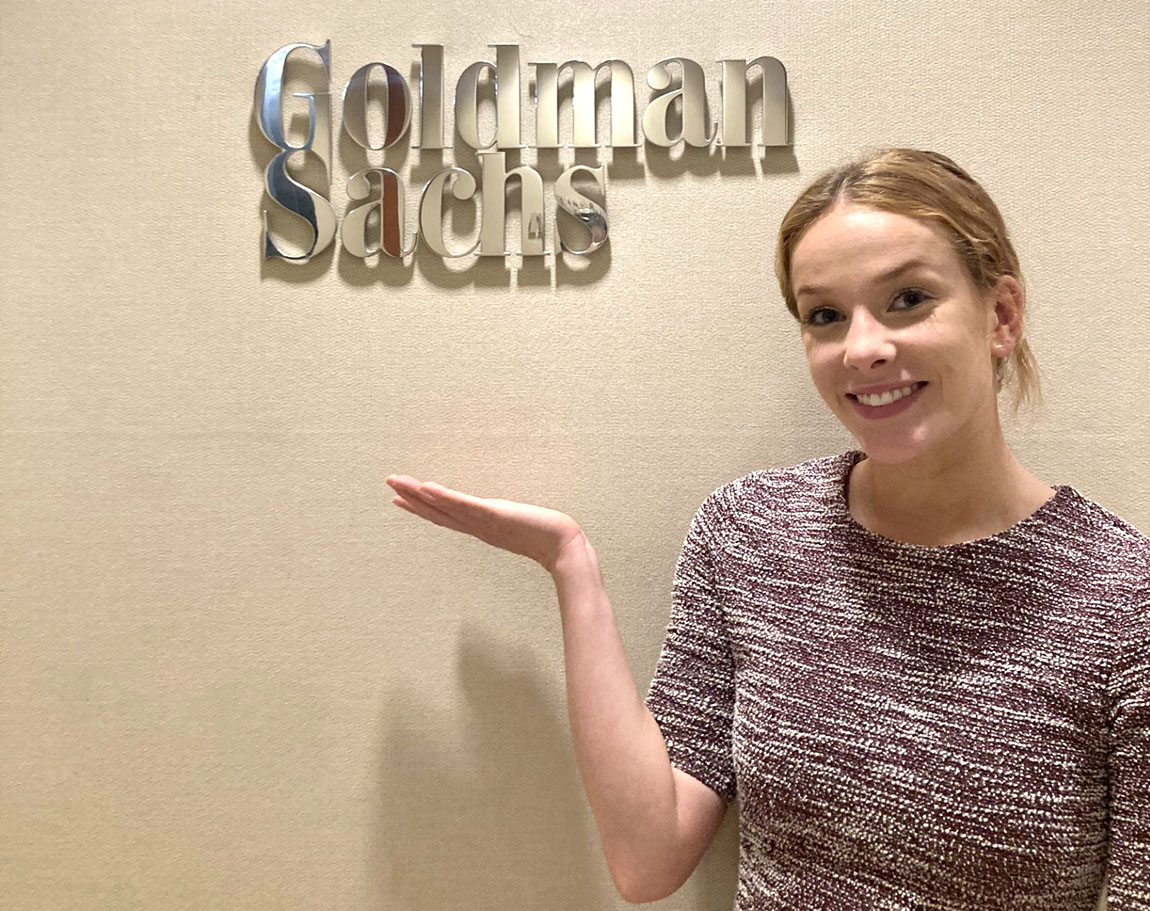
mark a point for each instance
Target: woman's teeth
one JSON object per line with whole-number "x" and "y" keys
{"x": 891, "y": 395}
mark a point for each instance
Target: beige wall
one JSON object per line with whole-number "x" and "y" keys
{"x": 233, "y": 675}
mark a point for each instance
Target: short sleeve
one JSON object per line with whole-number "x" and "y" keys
{"x": 1129, "y": 761}
{"x": 693, "y": 691}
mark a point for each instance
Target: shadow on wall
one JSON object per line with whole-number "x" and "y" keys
{"x": 493, "y": 819}
{"x": 497, "y": 819}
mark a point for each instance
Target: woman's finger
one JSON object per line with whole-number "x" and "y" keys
{"x": 458, "y": 502}
{"x": 425, "y": 510}
{"x": 409, "y": 488}
{"x": 423, "y": 489}
{"x": 460, "y": 506}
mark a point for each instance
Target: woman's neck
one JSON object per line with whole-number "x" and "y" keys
{"x": 946, "y": 498}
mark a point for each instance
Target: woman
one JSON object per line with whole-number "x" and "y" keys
{"x": 924, "y": 672}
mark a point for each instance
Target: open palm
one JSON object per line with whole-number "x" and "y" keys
{"x": 531, "y": 531}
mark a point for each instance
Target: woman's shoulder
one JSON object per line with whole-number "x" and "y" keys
{"x": 1095, "y": 535}
{"x": 774, "y": 496}
{"x": 813, "y": 477}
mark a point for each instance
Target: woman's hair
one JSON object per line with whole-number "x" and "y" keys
{"x": 929, "y": 187}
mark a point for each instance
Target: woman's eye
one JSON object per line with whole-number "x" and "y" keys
{"x": 913, "y": 296}
{"x": 820, "y": 317}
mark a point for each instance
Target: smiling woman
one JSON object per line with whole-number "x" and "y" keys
{"x": 910, "y": 300}
{"x": 932, "y": 189}
{"x": 923, "y": 673}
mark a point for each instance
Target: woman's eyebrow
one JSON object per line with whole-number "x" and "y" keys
{"x": 881, "y": 277}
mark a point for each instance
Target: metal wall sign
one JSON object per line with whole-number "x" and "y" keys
{"x": 377, "y": 224}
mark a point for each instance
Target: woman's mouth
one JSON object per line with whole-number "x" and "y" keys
{"x": 888, "y": 404}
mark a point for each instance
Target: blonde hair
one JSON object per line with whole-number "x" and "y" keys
{"x": 927, "y": 186}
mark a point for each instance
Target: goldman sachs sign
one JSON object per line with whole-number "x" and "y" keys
{"x": 376, "y": 221}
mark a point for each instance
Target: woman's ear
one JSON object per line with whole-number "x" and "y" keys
{"x": 1009, "y": 302}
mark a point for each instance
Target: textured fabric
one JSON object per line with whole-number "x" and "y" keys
{"x": 909, "y": 727}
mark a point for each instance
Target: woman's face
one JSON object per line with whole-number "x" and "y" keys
{"x": 887, "y": 305}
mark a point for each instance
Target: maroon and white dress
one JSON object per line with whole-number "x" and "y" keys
{"x": 909, "y": 727}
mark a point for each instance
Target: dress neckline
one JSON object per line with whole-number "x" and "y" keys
{"x": 847, "y": 461}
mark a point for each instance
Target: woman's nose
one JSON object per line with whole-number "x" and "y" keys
{"x": 867, "y": 341}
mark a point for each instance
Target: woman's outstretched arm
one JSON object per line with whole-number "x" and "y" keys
{"x": 654, "y": 821}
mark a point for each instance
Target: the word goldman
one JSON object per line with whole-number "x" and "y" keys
{"x": 381, "y": 191}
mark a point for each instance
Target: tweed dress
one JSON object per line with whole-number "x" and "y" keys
{"x": 960, "y": 728}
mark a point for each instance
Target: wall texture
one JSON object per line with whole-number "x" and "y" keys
{"x": 232, "y": 675}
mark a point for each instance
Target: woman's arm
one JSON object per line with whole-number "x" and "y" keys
{"x": 655, "y": 822}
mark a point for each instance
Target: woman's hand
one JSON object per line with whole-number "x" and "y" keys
{"x": 530, "y": 531}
